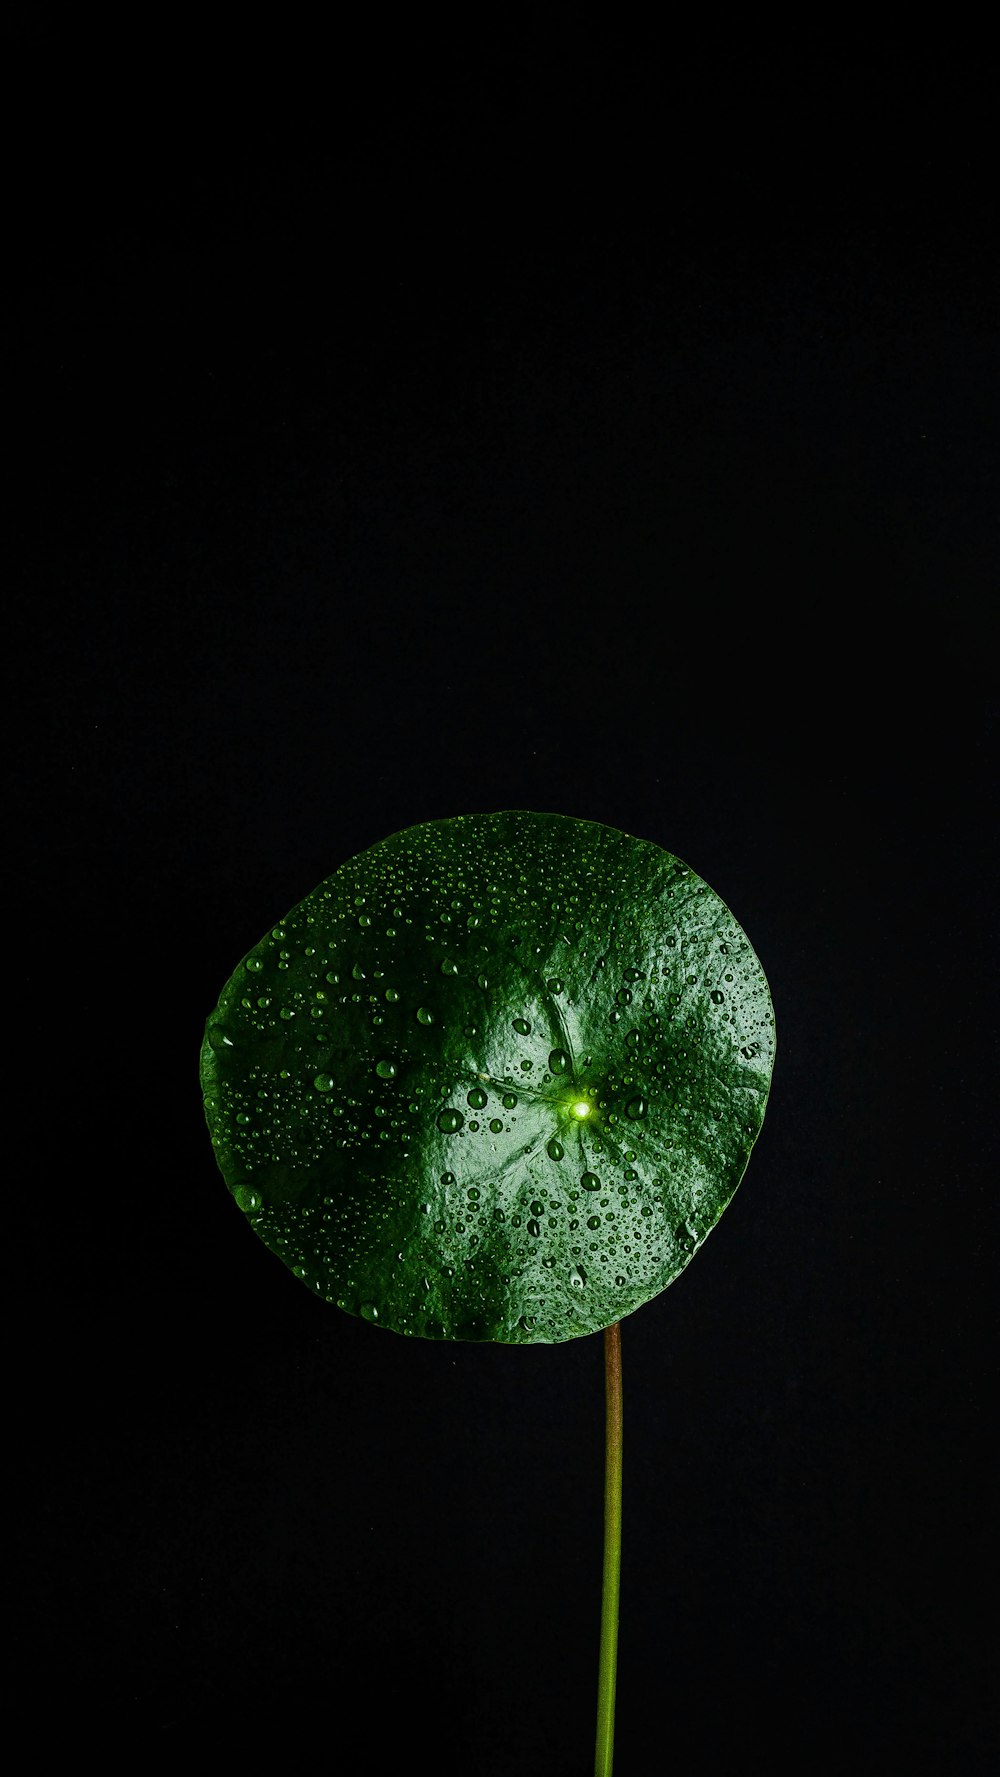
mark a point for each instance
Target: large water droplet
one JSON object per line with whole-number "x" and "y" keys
{"x": 477, "y": 1098}
{"x": 590, "y": 1181}
{"x": 424, "y": 1015}
{"x": 386, "y": 1070}
{"x": 558, "y": 1061}
{"x": 554, "y": 1149}
{"x": 522, "y": 1027}
{"x": 323, "y": 1083}
{"x": 254, "y": 964}
{"x": 636, "y": 1108}
{"x": 449, "y": 1121}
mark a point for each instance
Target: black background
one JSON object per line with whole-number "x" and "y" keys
{"x": 421, "y": 427}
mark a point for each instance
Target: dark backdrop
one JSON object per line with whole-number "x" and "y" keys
{"x": 411, "y": 430}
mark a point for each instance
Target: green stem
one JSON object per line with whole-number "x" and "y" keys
{"x": 607, "y": 1670}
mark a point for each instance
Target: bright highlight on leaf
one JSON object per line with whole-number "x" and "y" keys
{"x": 496, "y": 1078}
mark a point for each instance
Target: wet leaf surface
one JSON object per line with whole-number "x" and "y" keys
{"x": 495, "y": 1079}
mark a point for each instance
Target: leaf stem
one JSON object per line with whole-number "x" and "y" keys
{"x": 607, "y": 1670}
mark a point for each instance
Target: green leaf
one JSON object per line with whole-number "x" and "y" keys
{"x": 496, "y": 1079}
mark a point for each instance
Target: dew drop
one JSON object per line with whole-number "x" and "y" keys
{"x": 424, "y": 1015}
{"x": 368, "y": 1311}
{"x": 496, "y": 1126}
{"x": 386, "y": 1070}
{"x": 323, "y": 1083}
{"x": 590, "y": 1181}
{"x": 450, "y": 1121}
{"x": 509, "y": 1101}
{"x": 636, "y": 1108}
{"x": 717, "y": 997}
{"x": 558, "y": 1061}
{"x": 593, "y": 1221}
{"x": 448, "y": 967}
{"x": 477, "y": 1098}
{"x": 554, "y": 1149}
{"x": 522, "y": 1027}
{"x": 254, "y": 964}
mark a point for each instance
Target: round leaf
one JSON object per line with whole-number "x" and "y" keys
{"x": 497, "y": 1078}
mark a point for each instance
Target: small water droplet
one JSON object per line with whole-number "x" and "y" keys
{"x": 386, "y": 1070}
{"x": 534, "y": 1228}
{"x": 717, "y": 997}
{"x": 448, "y": 967}
{"x": 391, "y": 995}
{"x": 477, "y": 1098}
{"x": 554, "y": 985}
{"x": 496, "y": 1125}
{"x": 254, "y": 964}
{"x": 554, "y": 1149}
{"x": 522, "y": 1027}
{"x": 509, "y": 1101}
{"x": 368, "y": 1311}
{"x": 590, "y": 1181}
{"x": 424, "y": 1015}
{"x": 593, "y": 1221}
{"x": 323, "y": 1083}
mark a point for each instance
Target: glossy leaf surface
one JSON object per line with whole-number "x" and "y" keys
{"x": 495, "y": 1079}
